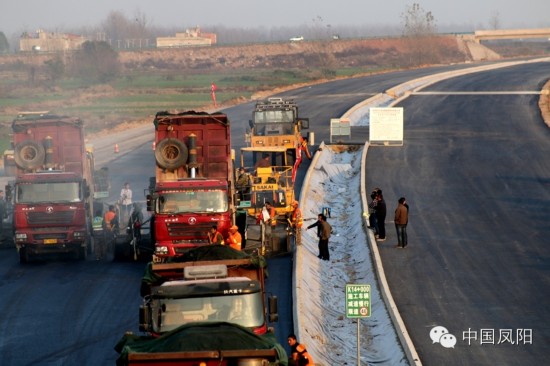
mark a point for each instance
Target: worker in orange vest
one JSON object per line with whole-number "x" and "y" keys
{"x": 268, "y": 218}
{"x": 299, "y": 353}
{"x": 296, "y": 219}
{"x": 234, "y": 239}
{"x": 296, "y": 222}
{"x": 214, "y": 236}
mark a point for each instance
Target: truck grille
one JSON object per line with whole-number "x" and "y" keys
{"x": 198, "y": 232}
{"x": 57, "y": 218}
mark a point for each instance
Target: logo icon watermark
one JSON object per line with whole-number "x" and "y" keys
{"x": 442, "y": 336}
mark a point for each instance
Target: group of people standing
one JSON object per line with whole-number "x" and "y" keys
{"x": 377, "y": 217}
{"x": 106, "y": 226}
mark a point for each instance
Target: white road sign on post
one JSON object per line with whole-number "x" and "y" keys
{"x": 386, "y": 126}
{"x": 339, "y": 127}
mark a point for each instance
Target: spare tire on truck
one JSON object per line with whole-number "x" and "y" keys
{"x": 29, "y": 154}
{"x": 171, "y": 153}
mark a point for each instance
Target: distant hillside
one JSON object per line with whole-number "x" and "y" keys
{"x": 388, "y": 52}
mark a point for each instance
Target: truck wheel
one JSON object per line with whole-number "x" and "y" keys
{"x": 171, "y": 153}
{"x": 29, "y": 154}
{"x": 83, "y": 253}
{"x": 23, "y": 256}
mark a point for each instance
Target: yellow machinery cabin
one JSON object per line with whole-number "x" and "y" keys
{"x": 271, "y": 183}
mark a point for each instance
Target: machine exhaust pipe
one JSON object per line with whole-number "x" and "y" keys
{"x": 192, "y": 165}
{"x": 48, "y": 147}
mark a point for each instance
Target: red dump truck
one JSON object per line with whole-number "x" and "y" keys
{"x": 193, "y": 187}
{"x": 206, "y": 309}
{"x": 53, "y": 192}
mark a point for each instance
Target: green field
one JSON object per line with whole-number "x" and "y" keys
{"x": 135, "y": 96}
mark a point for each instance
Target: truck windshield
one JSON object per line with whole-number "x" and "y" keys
{"x": 245, "y": 310}
{"x": 48, "y": 192}
{"x": 193, "y": 201}
{"x": 274, "y": 122}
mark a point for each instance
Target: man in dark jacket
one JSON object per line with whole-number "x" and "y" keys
{"x": 380, "y": 212}
{"x": 135, "y": 222}
{"x": 323, "y": 233}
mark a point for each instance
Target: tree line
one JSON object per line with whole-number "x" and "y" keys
{"x": 97, "y": 61}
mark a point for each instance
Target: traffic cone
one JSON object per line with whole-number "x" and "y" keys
{"x": 116, "y": 148}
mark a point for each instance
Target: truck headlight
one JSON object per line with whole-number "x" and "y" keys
{"x": 79, "y": 234}
{"x": 161, "y": 250}
{"x": 20, "y": 236}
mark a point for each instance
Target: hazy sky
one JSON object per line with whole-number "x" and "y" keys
{"x": 51, "y": 15}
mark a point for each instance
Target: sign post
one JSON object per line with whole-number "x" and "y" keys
{"x": 358, "y": 305}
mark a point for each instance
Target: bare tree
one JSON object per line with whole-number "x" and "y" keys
{"x": 121, "y": 31}
{"x": 115, "y": 26}
{"x": 494, "y": 21}
{"x": 96, "y": 62}
{"x": 4, "y": 45}
{"x": 417, "y": 22}
{"x": 419, "y": 30}
{"x": 326, "y": 60}
{"x": 55, "y": 68}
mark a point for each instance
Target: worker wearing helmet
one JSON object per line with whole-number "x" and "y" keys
{"x": 234, "y": 239}
{"x": 296, "y": 219}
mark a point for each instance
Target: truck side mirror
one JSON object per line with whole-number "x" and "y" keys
{"x": 86, "y": 190}
{"x": 150, "y": 202}
{"x": 273, "y": 309}
{"x": 251, "y": 123}
{"x": 143, "y": 318}
{"x": 9, "y": 192}
{"x": 304, "y": 122}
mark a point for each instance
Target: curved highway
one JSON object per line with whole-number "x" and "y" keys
{"x": 65, "y": 313}
{"x": 474, "y": 168}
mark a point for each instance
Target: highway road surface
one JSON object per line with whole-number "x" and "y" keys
{"x": 470, "y": 248}
{"x": 475, "y": 170}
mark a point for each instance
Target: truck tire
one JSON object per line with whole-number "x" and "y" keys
{"x": 171, "y": 154}
{"x": 29, "y": 154}
{"x": 82, "y": 253}
{"x": 23, "y": 256}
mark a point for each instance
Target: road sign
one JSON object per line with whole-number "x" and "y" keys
{"x": 340, "y": 127}
{"x": 386, "y": 126}
{"x": 358, "y": 301}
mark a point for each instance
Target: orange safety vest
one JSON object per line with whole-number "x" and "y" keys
{"x": 297, "y": 219}
{"x": 217, "y": 238}
{"x": 235, "y": 240}
{"x": 108, "y": 217}
{"x": 272, "y": 216}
